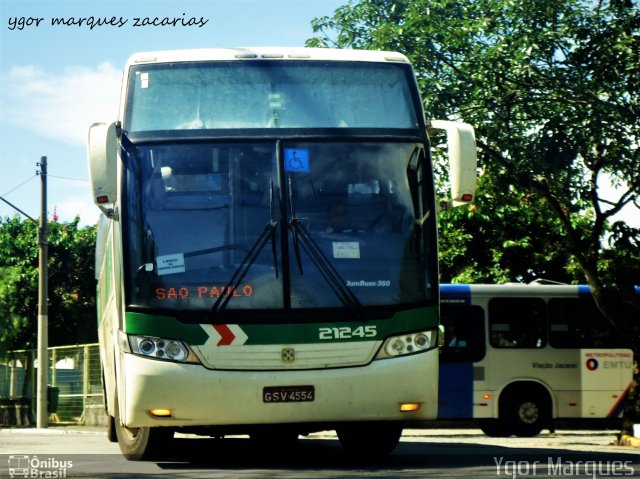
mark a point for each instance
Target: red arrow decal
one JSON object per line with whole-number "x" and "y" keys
{"x": 226, "y": 335}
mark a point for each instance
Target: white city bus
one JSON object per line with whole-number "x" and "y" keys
{"x": 267, "y": 259}
{"x": 518, "y": 356}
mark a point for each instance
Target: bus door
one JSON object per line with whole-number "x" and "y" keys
{"x": 464, "y": 346}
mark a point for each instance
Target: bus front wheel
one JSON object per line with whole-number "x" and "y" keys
{"x": 141, "y": 443}
{"x": 370, "y": 439}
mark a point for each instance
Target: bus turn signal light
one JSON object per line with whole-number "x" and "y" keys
{"x": 410, "y": 406}
{"x": 160, "y": 412}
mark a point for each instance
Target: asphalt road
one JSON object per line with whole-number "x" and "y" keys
{"x": 439, "y": 453}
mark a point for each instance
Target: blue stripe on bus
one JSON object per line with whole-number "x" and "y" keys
{"x": 455, "y": 293}
{"x": 584, "y": 291}
{"x": 455, "y": 394}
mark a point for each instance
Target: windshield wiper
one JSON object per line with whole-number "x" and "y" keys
{"x": 270, "y": 231}
{"x": 338, "y": 285}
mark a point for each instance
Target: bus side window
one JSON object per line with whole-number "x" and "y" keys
{"x": 577, "y": 323}
{"x": 464, "y": 339}
{"x": 517, "y": 323}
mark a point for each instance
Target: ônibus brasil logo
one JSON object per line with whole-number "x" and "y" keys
{"x": 32, "y": 466}
{"x": 592, "y": 364}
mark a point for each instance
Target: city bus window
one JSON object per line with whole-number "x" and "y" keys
{"x": 577, "y": 323}
{"x": 517, "y": 323}
{"x": 464, "y": 339}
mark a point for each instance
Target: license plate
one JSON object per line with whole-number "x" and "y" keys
{"x": 275, "y": 394}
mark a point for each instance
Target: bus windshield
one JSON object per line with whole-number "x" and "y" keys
{"x": 270, "y": 94}
{"x": 278, "y": 225}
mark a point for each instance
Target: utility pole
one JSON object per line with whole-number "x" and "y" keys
{"x": 42, "y": 416}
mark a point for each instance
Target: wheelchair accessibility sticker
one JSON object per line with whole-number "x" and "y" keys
{"x": 296, "y": 160}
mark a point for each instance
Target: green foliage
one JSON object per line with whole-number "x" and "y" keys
{"x": 71, "y": 291}
{"x": 502, "y": 238}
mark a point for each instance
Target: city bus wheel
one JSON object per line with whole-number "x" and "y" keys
{"x": 528, "y": 415}
{"x": 141, "y": 443}
{"x": 494, "y": 427}
{"x": 369, "y": 439}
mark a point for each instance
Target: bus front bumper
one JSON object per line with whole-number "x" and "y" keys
{"x": 191, "y": 395}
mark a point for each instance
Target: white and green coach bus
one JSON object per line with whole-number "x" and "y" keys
{"x": 267, "y": 260}
{"x": 518, "y": 356}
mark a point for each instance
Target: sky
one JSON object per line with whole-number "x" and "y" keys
{"x": 56, "y": 80}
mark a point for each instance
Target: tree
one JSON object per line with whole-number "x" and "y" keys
{"x": 71, "y": 306}
{"x": 553, "y": 90}
{"x": 502, "y": 238}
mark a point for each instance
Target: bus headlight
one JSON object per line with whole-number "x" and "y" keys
{"x": 410, "y": 343}
{"x": 159, "y": 348}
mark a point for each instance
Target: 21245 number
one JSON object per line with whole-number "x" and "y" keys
{"x": 346, "y": 332}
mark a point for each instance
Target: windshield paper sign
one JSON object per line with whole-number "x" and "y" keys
{"x": 346, "y": 249}
{"x": 170, "y": 264}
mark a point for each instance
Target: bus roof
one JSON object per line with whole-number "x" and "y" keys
{"x": 265, "y": 53}
{"x": 457, "y": 292}
{"x": 514, "y": 289}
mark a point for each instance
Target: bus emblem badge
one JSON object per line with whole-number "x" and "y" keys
{"x": 288, "y": 355}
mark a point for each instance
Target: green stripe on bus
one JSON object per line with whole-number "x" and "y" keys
{"x": 401, "y": 322}
{"x": 286, "y": 333}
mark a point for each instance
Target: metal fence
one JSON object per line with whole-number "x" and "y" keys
{"x": 74, "y": 380}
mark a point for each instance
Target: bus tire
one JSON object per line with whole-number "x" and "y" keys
{"x": 494, "y": 427}
{"x": 369, "y": 439}
{"x": 142, "y": 443}
{"x": 527, "y": 414}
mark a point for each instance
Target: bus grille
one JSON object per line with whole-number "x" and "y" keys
{"x": 287, "y": 357}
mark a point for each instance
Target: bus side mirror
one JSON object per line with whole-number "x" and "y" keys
{"x": 102, "y": 154}
{"x": 441, "y": 338}
{"x": 463, "y": 159}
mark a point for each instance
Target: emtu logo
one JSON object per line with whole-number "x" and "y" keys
{"x": 592, "y": 364}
